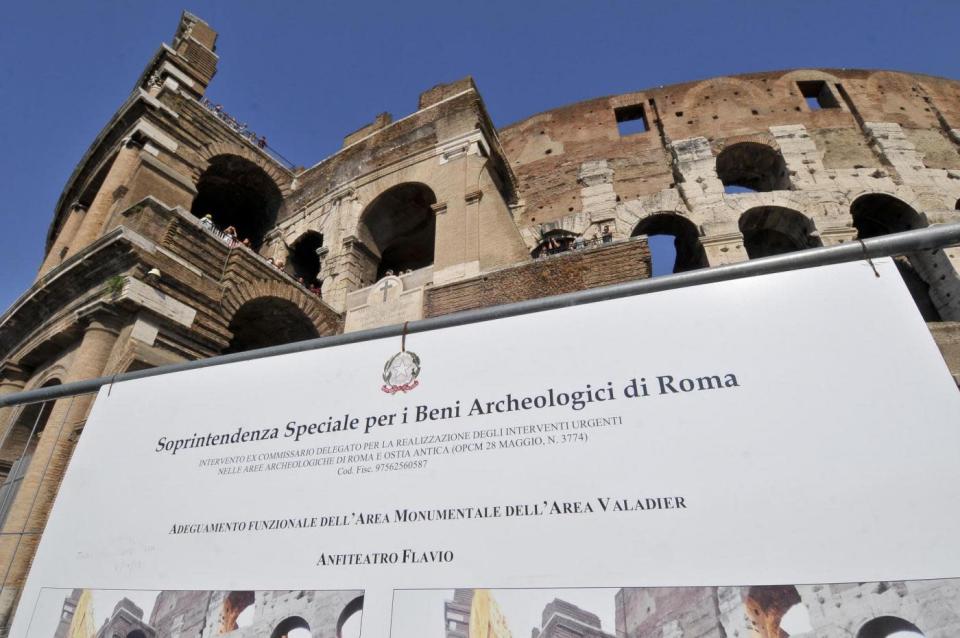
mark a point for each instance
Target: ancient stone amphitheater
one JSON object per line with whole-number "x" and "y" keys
{"x": 181, "y": 234}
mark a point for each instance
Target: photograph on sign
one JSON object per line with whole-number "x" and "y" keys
{"x": 896, "y": 609}
{"x": 111, "y": 613}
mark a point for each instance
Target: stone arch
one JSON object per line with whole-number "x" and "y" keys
{"x": 281, "y": 177}
{"x": 774, "y": 230}
{"x": 789, "y": 80}
{"x": 808, "y": 74}
{"x": 399, "y": 230}
{"x": 351, "y": 613}
{"x": 326, "y": 320}
{"x": 576, "y": 224}
{"x": 929, "y": 276}
{"x": 234, "y": 605}
{"x": 887, "y": 627}
{"x": 21, "y": 438}
{"x": 137, "y": 633}
{"x": 766, "y": 606}
{"x": 302, "y": 257}
{"x": 876, "y": 214}
{"x": 752, "y": 166}
{"x": 688, "y": 251}
{"x": 269, "y": 321}
{"x": 554, "y": 241}
{"x": 285, "y": 626}
{"x": 237, "y": 192}
{"x": 740, "y": 92}
{"x": 50, "y": 376}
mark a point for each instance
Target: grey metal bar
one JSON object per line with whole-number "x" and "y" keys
{"x": 931, "y": 238}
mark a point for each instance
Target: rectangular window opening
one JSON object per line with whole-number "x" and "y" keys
{"x": 631, "y": 120}
{"x": 818, "y": 95}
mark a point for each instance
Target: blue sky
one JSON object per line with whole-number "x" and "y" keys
{"x": 305, "y": 74}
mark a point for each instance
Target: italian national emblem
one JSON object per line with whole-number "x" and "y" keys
{"x": 401, "y": 370}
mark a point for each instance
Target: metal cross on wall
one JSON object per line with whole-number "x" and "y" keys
{"x": 385, "y": 287}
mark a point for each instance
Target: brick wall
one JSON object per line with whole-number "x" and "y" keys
{"x": 553, "y": 275}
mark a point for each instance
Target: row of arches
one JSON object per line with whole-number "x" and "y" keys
{"x": 238, "y": 611}
{"x": 398, "y": 231}
{"x": 398, "y": 227}
{"x": 675, "y": 244}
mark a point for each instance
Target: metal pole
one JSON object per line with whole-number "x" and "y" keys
{"x": 931, "y": 238}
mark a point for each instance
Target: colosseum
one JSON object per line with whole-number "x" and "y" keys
{"x": 180, "y": 234}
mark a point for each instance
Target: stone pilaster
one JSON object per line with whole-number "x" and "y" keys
{"x": 695, "y": 161}
{"x": 63, "y": 240}
{"x": 900, "y": 152}
{"x": 724, "y": 248}
{"x": 597, "y": 196}
{"x": 118, "y": 178}
{"x": 800, "y": 155}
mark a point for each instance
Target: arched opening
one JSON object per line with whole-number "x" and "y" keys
{"x": 752, "y": 167}
{"x": 237, "y": 611}
{"x": 269, "y": 321}
{"x": 348, "y": 624}
{"x": 768, "y": 607}
{"x": 292, "y": 627}
{"x": 399, "y": 228}
{"x": 674, "y": 243}
{"x": 878, "y": 214}
{"x": 957, "y": 205}
{"x": 137, "y": 633}
{"x": 553, "y": 242}
{"x": 889, "y": 627}
{"x": 302, "y": 257}
{"x": 236, "y": 192}
{"x": 774, "y": 230}
{"x": 24, "y": 433}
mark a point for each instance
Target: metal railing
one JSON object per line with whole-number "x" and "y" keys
{"x": 18, "y": 454}
{"x": 931, "y": 238}
{"x": 244, "y": 131}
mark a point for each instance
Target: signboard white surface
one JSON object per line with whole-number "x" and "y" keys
{"x": 791, "y": 428}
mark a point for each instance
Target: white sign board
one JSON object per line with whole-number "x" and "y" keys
{"x": 797, "y": 428}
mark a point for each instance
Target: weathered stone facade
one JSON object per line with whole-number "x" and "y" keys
{"x": 436, "y": 212}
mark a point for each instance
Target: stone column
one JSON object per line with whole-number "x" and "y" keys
{"x": 63, "y": 239}
{"x": 126, "y": 162}
{"x": 29, "y": 511}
